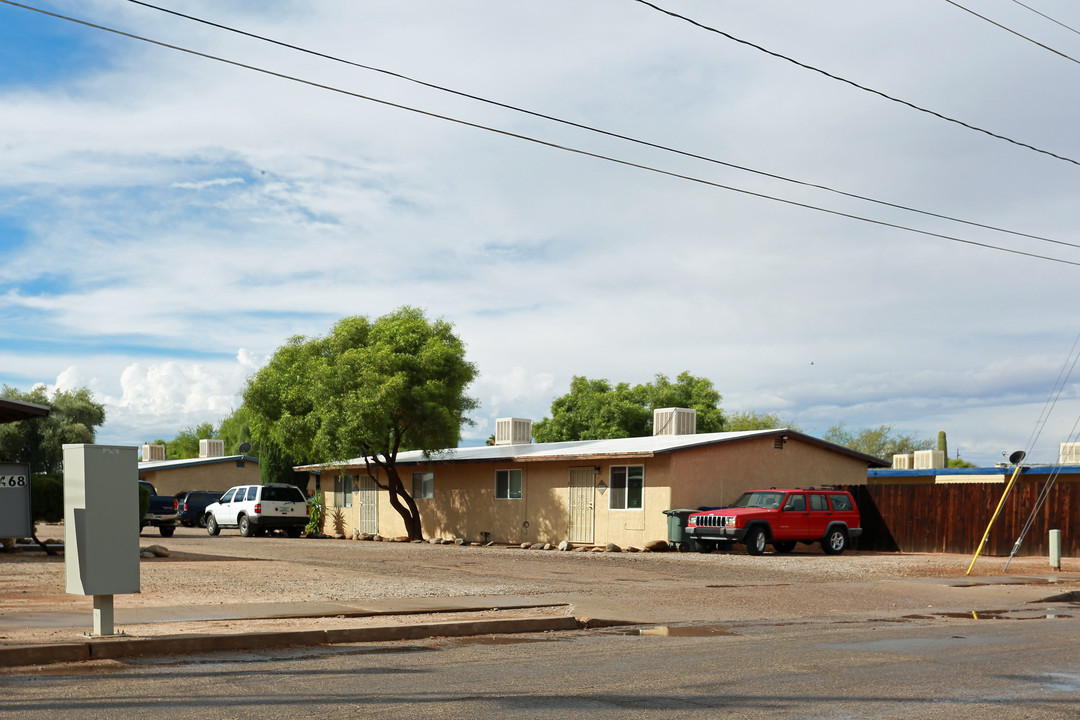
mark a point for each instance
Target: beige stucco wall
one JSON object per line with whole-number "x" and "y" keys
{"x": 218, "y": 476}
{"x": 464, "y": 504}
{"x": 718, "y": 474}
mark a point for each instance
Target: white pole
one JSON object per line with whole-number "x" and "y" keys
{"x": 1055, "y": 549}
{"x": 103, "y": 616}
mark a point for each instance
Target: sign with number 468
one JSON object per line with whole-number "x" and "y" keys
{"x": 12, "y": 481}
{"x": 15, "y": 500}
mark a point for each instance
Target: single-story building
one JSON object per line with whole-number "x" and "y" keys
{"x": 212, "y": 471}
{"x": 589, "y": 492}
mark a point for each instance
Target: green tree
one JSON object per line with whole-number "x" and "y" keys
{"x": 235, "y": 430}
{"x": 881, "y": 442}
{"x": 367, "y": 389}
{"x": 750, "y": 420}
{"x": 73, "y": 418}
{"x": 596, "y": 409}
{"x": 186, "y": 442}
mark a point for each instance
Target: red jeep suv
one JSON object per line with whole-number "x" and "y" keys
{"x": 780, "y": 518}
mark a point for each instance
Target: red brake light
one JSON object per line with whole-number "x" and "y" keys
{"x": 258, "y": 508}
{"x": 174, "y": 506}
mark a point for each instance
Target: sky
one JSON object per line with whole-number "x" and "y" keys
{"x": 167, "y": 221}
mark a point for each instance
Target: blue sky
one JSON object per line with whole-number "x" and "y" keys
{"x": 166, "y": 222}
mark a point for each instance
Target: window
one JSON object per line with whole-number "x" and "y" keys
{"x": 507, "y": 484}
{"x": 840, "y": 503}
{"x": 343, "y": 486}
{"x": 796, "y": 502}
{"x": 627, "y": 487}
{"x": 818, "y": 502}
{"x": 227, "y": 497}
{"x": 423, "y": 485}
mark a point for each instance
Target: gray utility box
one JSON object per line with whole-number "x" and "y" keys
{"x": 101, "y": 519}
{"x": 15, "y": 501}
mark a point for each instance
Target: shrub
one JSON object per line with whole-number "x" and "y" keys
{"x": 47, "y": 498}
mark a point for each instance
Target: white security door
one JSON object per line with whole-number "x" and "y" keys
{"x": 368, "y": 498}
{"x": 581, "y": 504}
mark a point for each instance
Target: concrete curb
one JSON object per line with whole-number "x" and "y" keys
{"x": 118, "y": 647}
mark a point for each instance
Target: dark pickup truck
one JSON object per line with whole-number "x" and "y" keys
{"x": 162, "y": 513}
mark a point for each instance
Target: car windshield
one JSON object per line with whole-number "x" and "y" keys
{"x": 759, "y": 499}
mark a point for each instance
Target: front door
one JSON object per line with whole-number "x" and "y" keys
{"x": 368, "y": 512}
{"x": 581, "y": 504}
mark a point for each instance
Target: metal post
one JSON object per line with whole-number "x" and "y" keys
{"x": 103, "y": 616}
{"x": 1001, "y": 502}
{"x": 1055, "y": 549}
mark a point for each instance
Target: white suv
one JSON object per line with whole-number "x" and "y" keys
{"x": 254, "y": 509}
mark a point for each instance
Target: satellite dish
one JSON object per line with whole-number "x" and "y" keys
{"x": 245, "y": 446}
{"x": 1017, "y": 456}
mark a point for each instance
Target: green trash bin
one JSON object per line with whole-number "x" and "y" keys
{"x": 676, "y": 528}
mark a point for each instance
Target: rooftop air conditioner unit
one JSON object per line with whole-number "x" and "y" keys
{"x": 153, "y": 453}
{"x": 929, "y": 459}
{"x": 211, "y": 448}
{"x": 903, "y": 461}
{"x": 674, "y": 421}
{"x": 513, "y": 431}
{"x": 1069, "y": 453}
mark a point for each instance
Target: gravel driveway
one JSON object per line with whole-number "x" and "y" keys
{"x": 645, "y": 587}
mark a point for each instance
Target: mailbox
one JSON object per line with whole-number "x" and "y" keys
{"x": 101, "y": 525}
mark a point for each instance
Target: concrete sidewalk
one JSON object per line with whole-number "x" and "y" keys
{"x": 96, "y": 648}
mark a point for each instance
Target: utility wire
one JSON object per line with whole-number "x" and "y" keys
{"x": 1040, "y": 14}
{"x": 590, "y": 128}
{"x": 857, "y": 85}
{"x": 1010, "y": 30}
{"x": 536, "y": 141}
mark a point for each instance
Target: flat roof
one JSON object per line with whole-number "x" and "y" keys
{"x": 14, "y": 410}
{"x": 188, "y": 462}
{"x": 649, "y": 446}
{"x": 1025, "y": 469}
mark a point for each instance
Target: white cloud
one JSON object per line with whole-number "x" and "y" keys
{"x": 174, "y": 209}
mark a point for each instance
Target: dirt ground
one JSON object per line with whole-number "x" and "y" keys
{"x": 641, "y": 587}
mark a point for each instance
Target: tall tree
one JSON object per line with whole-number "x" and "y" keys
{"x": 235, "y": 430}
{"x": 186, "y": 442}
{"x": 750, "y": 420}
{"x": 596, "y": 409}
{"x": 367, "y": 389}
{"x": 74, "y": 418}
{"x": 881, "y": 442}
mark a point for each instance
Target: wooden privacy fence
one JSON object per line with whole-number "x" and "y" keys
{"x": 953, "y": 517}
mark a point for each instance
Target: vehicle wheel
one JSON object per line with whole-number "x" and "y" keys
{"x": 245, "y": 526}
{"x": 201, "y": 522}
{"x": 167, "y": 530}
{"x": 784, "y": 546}
{"x": 294, "y": 532}
{"x": 756, "y": 541}
{"x": 705, "y": 546}
{"x": 835, "y": 542}
{"x": 212, "y": 526}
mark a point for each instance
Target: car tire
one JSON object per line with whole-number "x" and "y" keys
{"x": 212, "y": 526}
{"x": 835, "y": 541}
{"x": 705, "y": 546}
{"x": 784, "y": 546}
{"x": 167, "y": 530}
{"x": 245, "y": 526}
{"x": 756, "y": 541}
{"x": 201, "y": 522}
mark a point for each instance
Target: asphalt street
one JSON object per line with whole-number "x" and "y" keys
{"x": 919, "y": 667}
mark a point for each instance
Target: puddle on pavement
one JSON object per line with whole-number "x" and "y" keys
{"x": 1000, "y": 615}
{"x": 495, "y": 640}
{"x": 685, "y": 631}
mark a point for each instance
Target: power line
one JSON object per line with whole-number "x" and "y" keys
{"x": 593, "y": 129}
{"x": 1010, "y": 30}
{"x": 1041, "y": 14}
{"x": 857, "y": 85}
{"x": 537, "y": 141}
